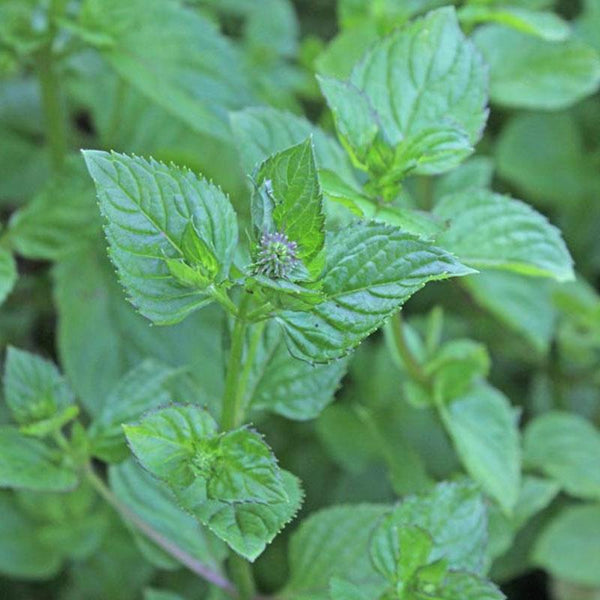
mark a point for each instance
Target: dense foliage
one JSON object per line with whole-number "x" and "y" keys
{"x": 209, "y": 388}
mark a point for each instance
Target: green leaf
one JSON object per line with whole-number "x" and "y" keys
{"x": 370, "y": 271}
{"x": 23, "y": 554}
{"x": 36, "y": 393}
{"x": 483, "y": 427}
{"x": 261, "y": 132}
{"x": 148, "y": 207}
{"x": 175, "y": 57}
{"x": 139, "y": 390}
{"x": 153, "y": 594}
{"x": 179, "y": 444}
{"x": 438, "y": 80}
{"x": 453, "y": 514}
{"x": 246, "y": 526}
{"x": 59, "y": 219}
{"x": 522, "y": 303}
{"x": 154, "y": 503}
{"x": 565, "y": 447}
{"x": 101, "y": 337}
{"x": 535, "y": 495}
{"x": 28, "y": 463}
{"x": 465, "y": 586}
{"x": 287, "y": 386}
{"x": 568, "y": 545}
{"x": 545, "y": 25}
{"x": 344, "y": 590}
{"x": 333, "y": 542}
{"x": 476, "y": 172}
{"x": 297, "y": 200}
{"x": 488, "y": 230}
{"x": 8, "y": 273}
{"x": 527, "y": 72}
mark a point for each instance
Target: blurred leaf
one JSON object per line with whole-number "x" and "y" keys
{"x": 527, "y": 72}
{"x": 8, "y": 273}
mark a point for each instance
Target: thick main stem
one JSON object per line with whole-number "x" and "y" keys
{"x": 52, "y": 107}
{"x": 167, "y": 545}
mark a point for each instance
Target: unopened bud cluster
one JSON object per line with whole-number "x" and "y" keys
{"x": 276, "y": 256}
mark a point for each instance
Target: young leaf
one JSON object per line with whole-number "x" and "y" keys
{"x": 37, "y": 395}
{"x": 247, "y": 527}
{"x": 174, "y": 56}
{"x": 153, "y": 502}
{"x": 8, "y": 273}
{"x": 454, "y": 515}
{"x": 565, "y": 447}
{"x": 149, "y": 208}
{"x": 465, "y": 586}
{"x": 139, "y": 390}
{"x": 426, "y": 76}
{"x": 333, "y": 542}
{"x": 180, "y": 445}
{"x": 29, "y": 463}
{"x": 290, "y": 387}
{"x": 371, "y": 270}
{"x": 483, "y": 426}
{"x": 488, "y": 230}
{"x": 297, "y": 200}
{"x": 568, "y": 545}
{"x": 531, "y": 73}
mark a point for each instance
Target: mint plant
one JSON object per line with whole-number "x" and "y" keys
{"x": 253, "y": 355}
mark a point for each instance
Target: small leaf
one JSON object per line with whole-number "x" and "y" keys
{"x": 483, "y": 428}
{"x": 465, "y": 586}
{"x": 454, "y": 515}
{"x": 29, "y": 463}
{"x": 36, "y": 393}
{"x": 297, "y": 200}
{"x": 488, "y": 230}
{"x": 180, "y": 445}
{"x": 568, "y": 545}
{"x": 565, "y": 447}
{"x": 371, "y": 270}
{"x": 527, "y": 72}
{"x": 247, "y": 527}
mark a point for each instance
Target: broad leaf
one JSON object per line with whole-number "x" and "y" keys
{"x": 153, "y": 502}
{"x": 139, "y": 390}
{"x": 180, "y": 445}
{"x": 149, "y": 207}
{"x": 370, "y": 271}
{"x": 565, "y": 447}
{"x": 464, "y": 586}
{"x": 568, "y": 545}
{"x": 527, "y": 72}
{"x": 38, "y": 396}
{"x": 454, "y": 515}
{"x": 333, "y": 542}
{"x": 28, "y": 463}
{"x": 172, "y": 55}
{"x": 483, "y": 426}
{"x": 247, "y": 527}
{"x": 8, "y": 273}
{"x": 488, "y": 230}
{"x": 295, "y": 192}
{"x": 287, "y": 386}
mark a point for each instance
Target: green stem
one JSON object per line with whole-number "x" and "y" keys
{"x": 52, "y": 107}
{"x": 241, "y": 573}
{"x": 232, "y": 408}
{"x": 408, "y": 358}
{"x": 167, "y": 545}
